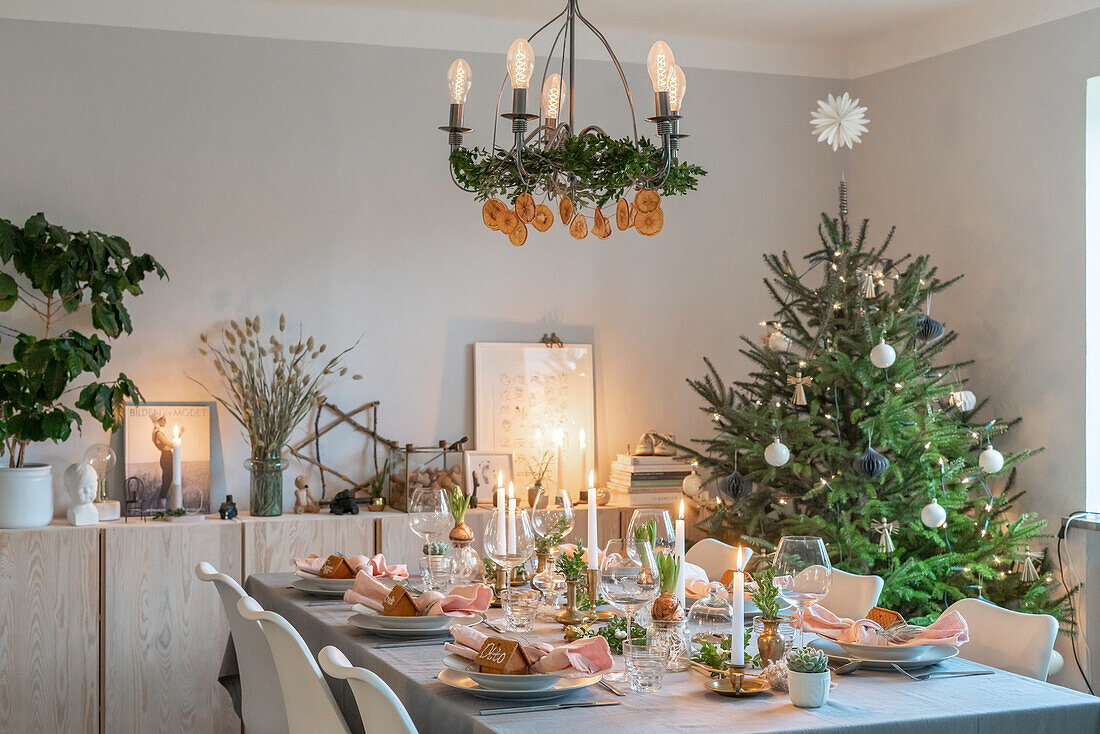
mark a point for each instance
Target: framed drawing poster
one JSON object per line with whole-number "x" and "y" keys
{"x": 149, "y": 429}
{"x": 538, "y": 403}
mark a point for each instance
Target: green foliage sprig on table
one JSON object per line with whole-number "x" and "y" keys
{"x": 543, "y": 544}
{"x": 766, "y": 594}
{"x": 61, "y": 271}
{"x": 614, "y": 631}
{"x": 601, "y": 169}
{"x": 716, "y": 654}
{"x": 905, "y": 412}
{"x": 571, "y": 565}
{"x": 165, "y": 514}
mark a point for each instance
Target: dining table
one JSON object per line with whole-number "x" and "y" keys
{"x": 864, "y": 701}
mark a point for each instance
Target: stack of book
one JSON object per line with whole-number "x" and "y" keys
{"x": 647, "y": 479}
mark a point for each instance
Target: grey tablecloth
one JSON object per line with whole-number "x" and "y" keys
{"x": 884, "y": 703}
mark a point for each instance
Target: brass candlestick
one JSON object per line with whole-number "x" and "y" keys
{"x": 498, "y": 587}
{"x": 737, "y": 676}
{"x": 570, "y": 614}
{"x": 594, "y": 595}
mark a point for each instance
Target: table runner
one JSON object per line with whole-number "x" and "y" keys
{"x": 865, "y": 702}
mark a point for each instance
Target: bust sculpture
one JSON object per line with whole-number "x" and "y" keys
{"x": 80, "y": 482}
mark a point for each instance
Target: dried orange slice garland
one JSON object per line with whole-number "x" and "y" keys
{"x": 645, "y": 216}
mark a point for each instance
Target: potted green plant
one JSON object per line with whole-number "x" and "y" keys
{"x": 769, "y": 642}
{"x": 808, "y": 677}
{"x": 58, "y": 273}
{"x": 375, "y": 487}
{"x": 272, "y": 383}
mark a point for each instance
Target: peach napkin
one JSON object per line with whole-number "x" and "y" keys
{"x": 567, "y": 548}
{"x": 375, "y": 566}
{"x": 948, "y": 629}
{"x": 579, "y": 659}
{"x": 462, "y": 601}
{"x": 468, "y": 641}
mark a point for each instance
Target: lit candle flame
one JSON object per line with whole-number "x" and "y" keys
{"x": 511, "y": 491}
{"x": 682, "y": 517}
{"x": 500, "y": 479}
{"x": 740, "y": 560}
{"x": 591, "y": 479}
{"x": 580, "y": 439}
{"x": 175, "y": 431}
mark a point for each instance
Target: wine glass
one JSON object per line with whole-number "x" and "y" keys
{"x": 802, "y": 573}
{"x": 430, "y": 518}
{"x": 657, "y": 528}
{"x": 628, "y": 579}
{"x": 509, "y": 544}
{"x": 553, "y": 513}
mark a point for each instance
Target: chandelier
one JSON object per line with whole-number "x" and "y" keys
{"x": 583, "y": 170}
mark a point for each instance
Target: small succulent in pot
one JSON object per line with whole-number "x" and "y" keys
{"x": 808, "y": 660}
{"x": 435, "y": 548}
{"x": 667, "y": 607}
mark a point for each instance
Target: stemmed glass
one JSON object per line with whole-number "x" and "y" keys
{"x": 430, "y": 518}
{"x": 647, "y": 521}
{"x": 802, "y": 574}
{"x": 628, "y": 579}
{"x": 553, "y": 519}
{"x": 497, "y": 546}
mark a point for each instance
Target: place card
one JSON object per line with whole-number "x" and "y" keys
{"x": 502, "y": 656}
{"x": 398, "y": 603}
{"x": 336, "y": 567}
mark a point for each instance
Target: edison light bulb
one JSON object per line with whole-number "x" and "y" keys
{"x": 458, "y": 81}
{"x": 552, "y": 97}
{"x": 660, "y": 62}
{"x": 677, "y": 85}
{"x": 521, "y": 63}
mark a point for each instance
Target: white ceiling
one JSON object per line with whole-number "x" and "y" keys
{"x": 830, "y": 38}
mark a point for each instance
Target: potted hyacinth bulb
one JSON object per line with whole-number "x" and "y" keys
{"x": 808, "y": 677}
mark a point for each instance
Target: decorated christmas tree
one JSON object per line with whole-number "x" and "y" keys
{"x": 854, "y": 426}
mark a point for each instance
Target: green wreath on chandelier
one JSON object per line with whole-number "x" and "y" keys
{"x": 598, "y": 168}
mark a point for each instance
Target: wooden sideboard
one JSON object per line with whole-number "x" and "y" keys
{"x": 105, "y": 629}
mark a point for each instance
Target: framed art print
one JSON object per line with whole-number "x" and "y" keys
{"x": 149, "y": 429}
{"x": 481, "y": 469}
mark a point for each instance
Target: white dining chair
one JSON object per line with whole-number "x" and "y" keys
{"x": 1001, "y": 638}
{"x": 262, "y": 709}
{"x": 310, "y": 706}
{"x": 715, "y": 557}
{"x": 851, "y": 595}
{"x": 379, "y": 707}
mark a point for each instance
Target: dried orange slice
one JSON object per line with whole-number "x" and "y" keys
{"x": 544, "y": 217}
{"x": 489, "y": 213}
{"x": 622, "y": 215}
{"x": 565, "y": 209}
{"x": 647, "y": 200}
{"x": 525, "y": 207}
{"x": 518, "y": 235}
{"x": 649, "y": 223}
{"x": 601, "y": 225}
{"x": 633, "y": 215}
{"x": 579, "y": 227}
{"x": 507, "y": 221}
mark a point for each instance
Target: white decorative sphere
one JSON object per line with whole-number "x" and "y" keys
{"x": 777, "y": 454}
{"x": 991, "y": 460}
{"x": 693, "y": 485}
{"x": 778, "y": 341}
{"x": 933, "y": 515}
{"x": 883, "y": 355}
{"x": 964, "y": 400}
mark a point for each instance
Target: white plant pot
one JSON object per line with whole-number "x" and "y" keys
{"x": 809, "y": 690}
{"x": 26, "y": 496}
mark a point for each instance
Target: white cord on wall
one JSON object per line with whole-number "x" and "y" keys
{"x": 1084, "y": 662}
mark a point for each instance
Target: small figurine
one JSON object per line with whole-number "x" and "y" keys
{"x": 228, "y": 509}
{"x": 344, "y": 504}
{"x": 81, "y": 483}
{"x": 303, "y": 500}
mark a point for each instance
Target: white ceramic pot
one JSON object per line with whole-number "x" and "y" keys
{"x": 26, "y": 496}
{"x": 809, "y": 690}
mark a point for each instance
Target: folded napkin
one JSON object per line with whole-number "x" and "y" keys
{"x": 375, "y": 566}
{"x": 579, "y": 659}
{"x": 949, "y": 629}
{"x": 462, "y": 601}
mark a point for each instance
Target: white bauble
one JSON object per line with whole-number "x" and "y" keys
{"x": 693, "y": 485}
{"x": 964, "y": 400}
{"x": 778, "y": 341}
{"x": 777, "y": 454}
{"x": 883, "y": 355}
{"x": 933, "y": 515}
{"x": 991, "y": 460}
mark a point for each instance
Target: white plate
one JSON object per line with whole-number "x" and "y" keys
{"x": 928, "y": 655}
{"x": 325, "y": 584}
{"x": 563, "y": 687}
{"x": 892, "y": 653}
{"x": 497, "y": 681}
{"x": 309, "y": 588}
{"x": 437, "y": 622}
{"x": 371, "y": 624}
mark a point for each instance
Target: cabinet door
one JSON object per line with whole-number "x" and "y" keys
{"x": 270, "y": 542}
{"x": 49, "y": 633}
{"x": 164, "y": 629}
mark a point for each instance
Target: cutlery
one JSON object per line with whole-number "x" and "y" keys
{"x": 942, "y": 673}
{"x": 417, "y": 643}
{"x": 611, "y": 688}
{"x": 493, "y": 627}
{"x": 847, "y": 668}
{"x": 546, "y": 707}
{"x": 327, "y": 604}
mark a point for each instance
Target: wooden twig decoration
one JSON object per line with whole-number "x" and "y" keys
{"x": 342, "y": 417}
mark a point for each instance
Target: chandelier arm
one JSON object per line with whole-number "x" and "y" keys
{"x": 549, "y": 58}
{"x": 615, "y": 61}
{"x": 451, "y": 168}
{"x": 593, "y": 129}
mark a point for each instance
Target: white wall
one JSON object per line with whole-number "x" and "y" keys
{"x": 309, "y": 178}
{"x": 979, "y": 157}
